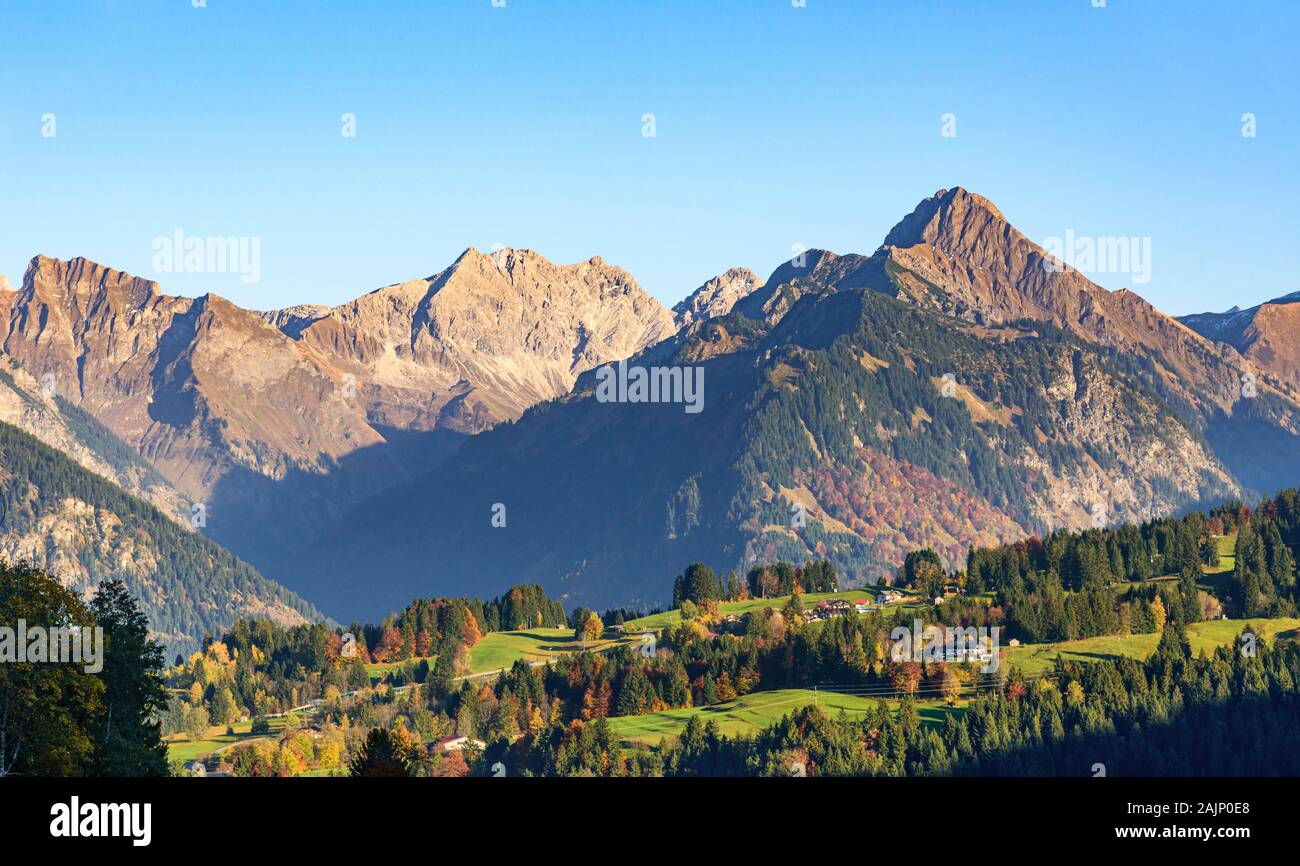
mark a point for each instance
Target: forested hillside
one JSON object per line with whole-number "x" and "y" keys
{"x": 734, "y": 677}
{"x": 83, "y": 529}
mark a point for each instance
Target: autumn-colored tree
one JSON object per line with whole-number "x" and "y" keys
{"x": 726, "y": 691}
{"x": 196, "y": 722}
{"x": 905, "y": 676}
{"x": 329, "y": 752}
{"x": 423, "y": 643}
{"x": 390, "y": 645}
{"x": 461, "y": 661}
{"x": 590, "y": 628}
{"x": 604, "y": 695}
{"x": 1074, "y": 695}
{"x": 289, "y": 761}
{"x": 450, "y": 765}
{"x": 951, "y": 687}
{"x": 710, "y": 611}
{"x": 471, "y": 633}
{"x": 1210, "y": 607}
{"x": 333, "y": 647}
{"x": 589, "y": 704}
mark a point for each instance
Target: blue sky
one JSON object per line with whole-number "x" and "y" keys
{"x": 522, "y": 126}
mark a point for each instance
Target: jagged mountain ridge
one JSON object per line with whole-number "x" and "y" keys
{"x": 1123, "y": 406}
{"x": 717, "y": 297}
{"x": 826, "y": 389}
{"x": 255, "y": 414}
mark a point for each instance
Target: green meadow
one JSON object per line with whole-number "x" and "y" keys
{"x": 1034, "y": 659}
{"x": 753, "y": 712}
{"x": 1227, "y": 554}
{"x": 662, "y": 620}
{"x": 501, "y": 649}
{"x": 1214, "y": 578}
{"x": 181, "y": 748}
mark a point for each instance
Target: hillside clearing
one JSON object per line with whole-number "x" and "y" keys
{"x": 1034, "y": 659}
{"x": 753, "y": 712}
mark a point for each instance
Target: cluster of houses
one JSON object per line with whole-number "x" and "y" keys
{"x": 967, "y": 653}
{"x": 889, "y": 596}
{"x": 833, "y": 607}
{"x": 837, "y": 607}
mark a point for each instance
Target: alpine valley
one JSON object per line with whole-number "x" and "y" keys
{"x": 957, "y": 387}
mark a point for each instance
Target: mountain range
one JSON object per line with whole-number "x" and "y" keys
{"x": 1264, "y": 334}
{"x": 277, "y": 423}
{"x": 448, "y": 435}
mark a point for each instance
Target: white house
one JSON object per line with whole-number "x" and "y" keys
{"x": 457, "y": 744}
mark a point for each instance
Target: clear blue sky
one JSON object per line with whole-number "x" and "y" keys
{"x": 522, "y": 126}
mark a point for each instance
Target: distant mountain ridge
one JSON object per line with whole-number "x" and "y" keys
{"x": 1267, "y": 335}
{"x": 718, "y": 296}
{"x": 957, "y": 386}
{"x": 253, "y": 414}
{"x": 954, "y": 387}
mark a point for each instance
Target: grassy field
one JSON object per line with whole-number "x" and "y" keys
{"x": 662, "y": 620}
{"x": 1037, "y": 658}
{"x": 756, "y": 711}
{"x": 181, "y": 748}
{"x": 1227, "y": 554}
{"x": 1214, "y": 577}
{"x": 752, "y": 713}
{"x": 501, "y": 649}
{"x": 497, "y": 650}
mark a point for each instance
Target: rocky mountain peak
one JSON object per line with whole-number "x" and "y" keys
{"x": 78, "y": 284}
{"x": 717, "y": 296}
{"x": 958, "y": 254}
{"x": 510, "y": 317}
{"x": 773, "y": 299}
{"x": 951, "y": 217}
{"x": 530, "y": 273}
{"x": 1267, "y": 335}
